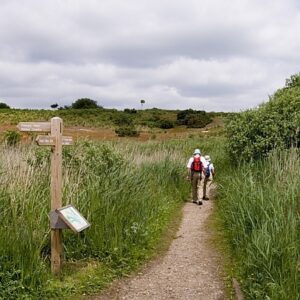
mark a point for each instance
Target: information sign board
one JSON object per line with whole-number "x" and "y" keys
{"x": 72, "y": 217}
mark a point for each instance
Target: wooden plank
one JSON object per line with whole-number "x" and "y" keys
{"x": 48, "y": 140}
{"x": 56, "y": 192}
{"x": 34, "y": 126}
{"x": 67, "y": 140}
{"x": 45, "y": 140}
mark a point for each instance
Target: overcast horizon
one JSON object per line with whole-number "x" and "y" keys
{"x": 205, "y": 55}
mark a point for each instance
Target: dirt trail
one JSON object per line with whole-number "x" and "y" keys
{"x": 189, "y": 270}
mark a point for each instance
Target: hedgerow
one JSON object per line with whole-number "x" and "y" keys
{"x": 276, "y": 124}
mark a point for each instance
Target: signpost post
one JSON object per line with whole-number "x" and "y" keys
{"x": 56, "y": 140}
{"x": 56, "y": 191}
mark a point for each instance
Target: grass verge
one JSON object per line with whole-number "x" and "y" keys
{"x": 259, "y": 208}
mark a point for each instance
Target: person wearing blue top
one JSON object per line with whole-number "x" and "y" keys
{"x": 209, "y": 174}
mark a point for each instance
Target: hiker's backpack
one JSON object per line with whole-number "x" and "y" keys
{"x": 197, "y": 164}
{"x": 207, "y": 173}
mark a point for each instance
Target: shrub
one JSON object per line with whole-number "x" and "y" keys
{"x": 275, "y": 124}
{"x": 122, "y": 120}
{"x": 12, "y": 137}
{"x": 193, "y": 118}
{"x": 127, "y": 131}
{"x": 130, "y": 111}
{"x": 166, "y": 124}
{"x": 85, "y": 103}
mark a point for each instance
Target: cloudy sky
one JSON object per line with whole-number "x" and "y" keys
{"x": 203, "y": 54}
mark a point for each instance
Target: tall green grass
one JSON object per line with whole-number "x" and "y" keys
{"x": 260, "y": 206}
{"x": 128, "y": 191}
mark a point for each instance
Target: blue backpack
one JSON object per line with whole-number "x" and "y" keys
{"x": 207, "y": 174}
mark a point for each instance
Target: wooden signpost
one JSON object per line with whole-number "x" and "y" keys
{"x": 56, "y": 140}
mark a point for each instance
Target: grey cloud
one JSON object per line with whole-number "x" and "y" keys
{"x": 210, "y": 90}
{"x": 177, "y": 54}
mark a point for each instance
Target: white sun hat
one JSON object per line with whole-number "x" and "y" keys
{"x": 207, "y": 157}
{"x": 197, "y": 151}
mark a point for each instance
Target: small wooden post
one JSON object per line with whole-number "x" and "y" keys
{"x": 56, "y": 191}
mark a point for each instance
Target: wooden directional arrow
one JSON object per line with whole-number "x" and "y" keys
{"x": 45, "y": 140}
{"x": 34, "y": 126}
{"x": 67, "y": 140}
{"x": 48, "y": 140}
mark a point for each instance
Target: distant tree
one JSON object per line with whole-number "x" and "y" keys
{"x": 85, "y": 103}
{"x": 55, "y": 105}
{"x": 130, "y": 111}
{"x": 3, "y": 105}
{"x": 142, "y": 103}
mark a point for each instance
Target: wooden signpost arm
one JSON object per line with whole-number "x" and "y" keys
{"x": 56, "y": 191}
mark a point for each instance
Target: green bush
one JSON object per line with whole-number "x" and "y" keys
{"x": 85, "y": 103}
{"x": 130, "y": 111}
{"x": 127, "y": 131}
{"x": 276, "y": 124}
{"x": 193, "y": 118}
{"x": 12, "y": 137}
{"x": 122, "y": 119}
{"x": 166, "y": 124}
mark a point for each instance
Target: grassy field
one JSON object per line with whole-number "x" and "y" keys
{"x": 129, "y": 191}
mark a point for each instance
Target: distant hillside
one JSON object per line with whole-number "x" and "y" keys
{"x": 111, "y": 117}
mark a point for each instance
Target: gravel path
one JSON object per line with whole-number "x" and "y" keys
{"x": 189, "y": 269}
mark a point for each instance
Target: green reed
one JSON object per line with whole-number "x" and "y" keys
{"x": 260, "y": 205}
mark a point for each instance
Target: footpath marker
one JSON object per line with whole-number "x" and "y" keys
{"x": 56, "y": 140}
{"x": 48, "y": 140}
{"x": 34, "y": 126}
